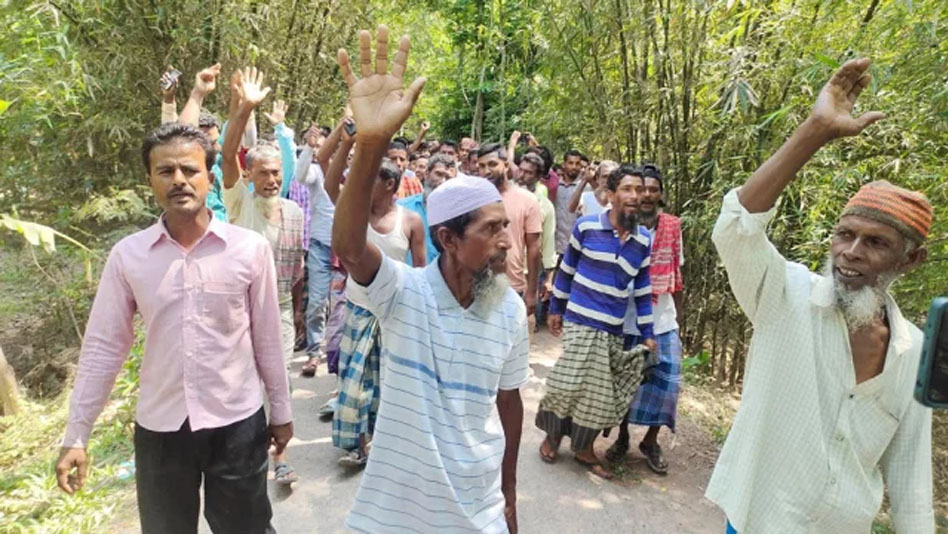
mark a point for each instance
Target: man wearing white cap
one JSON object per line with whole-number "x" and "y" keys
{"x": 454, "y": 336}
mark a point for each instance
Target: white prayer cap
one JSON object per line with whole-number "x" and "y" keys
{"x": 458, "y": 196}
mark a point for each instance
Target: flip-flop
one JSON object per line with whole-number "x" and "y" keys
{"x": 654, "y": 458}
{"x": 284, "y": 474}
{"x": 596, "y": 468}
{"x": 617, "y": 452}
{"x": 309, "y": 369}
{"x": 555, "y": 446}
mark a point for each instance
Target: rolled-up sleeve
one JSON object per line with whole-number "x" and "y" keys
{"x": 266, "y": 332}
{"x": 108, "y": 338}
{"x": 757, "y": 272}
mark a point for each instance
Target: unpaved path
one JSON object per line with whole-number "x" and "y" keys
{"x": 558, "y": 498}
{"x": 562, "y": 497}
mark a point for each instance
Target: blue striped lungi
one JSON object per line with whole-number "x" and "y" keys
{"x": 359, "y": 393}
{"x": 656, "y": 402}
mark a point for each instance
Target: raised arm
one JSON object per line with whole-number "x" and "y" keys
{"x": 169, "y": 107}
{"x": 204, "y": 83}
{"x": 284, "y": 137}
{"x": 512, "y": 145}
{"x": 249, "y": 93}
{"x": 379, "y": 107}
{"x": 830, "y": 118}
{"x": 421, "y": 137}
{"x": 577, "y": 195}
{"x": 328, "y": 148}
{"x": 337, "y": 166}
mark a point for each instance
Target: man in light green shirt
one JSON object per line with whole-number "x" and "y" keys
{"x": 530, "y": 167}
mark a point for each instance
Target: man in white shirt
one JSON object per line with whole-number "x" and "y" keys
{"x": 827, "y": 416}
{"x": 454, "y": 337}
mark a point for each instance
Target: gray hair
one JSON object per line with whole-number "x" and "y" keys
{"x": 440, "y": 158}
{"x": 262, "y": 151}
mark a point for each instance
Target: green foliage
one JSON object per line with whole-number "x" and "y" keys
{"x": 29, "y": 447}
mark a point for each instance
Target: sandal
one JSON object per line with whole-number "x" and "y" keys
{"x": 654, "y": 458}
{"x": 550, "y": 457}
{"x": 284, "y": 474}
{"x": 309, "y": 369}
{"x": 353, "y": 459}
{"x": 595, "y": 467}
{"x": 616, "y": 453}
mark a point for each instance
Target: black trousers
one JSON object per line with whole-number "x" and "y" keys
{"x": 232, "y": 461}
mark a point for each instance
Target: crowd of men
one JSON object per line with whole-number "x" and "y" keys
{"x": 417, "y": 271}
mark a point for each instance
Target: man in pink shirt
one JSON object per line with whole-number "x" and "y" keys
{"x": 207, "y": 295}
{"x": 526, "y": 223}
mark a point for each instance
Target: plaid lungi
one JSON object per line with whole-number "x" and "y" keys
{"x": 656, "y": 402}
{"x": 358, "y": 400}
{"x": 590, "y": 386}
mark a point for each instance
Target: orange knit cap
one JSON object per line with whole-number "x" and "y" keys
{"x": 907, "y": 211}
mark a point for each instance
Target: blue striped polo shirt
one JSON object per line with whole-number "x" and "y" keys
{"x": 599, "y": 274}
{"x": 438, "y": 446}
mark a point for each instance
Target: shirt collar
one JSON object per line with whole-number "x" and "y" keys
{"x": 159, "y": 231}
{"x": 443, "y": 296}
{"x": 900, "y": 338}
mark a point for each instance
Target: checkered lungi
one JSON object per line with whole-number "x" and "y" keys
{"x": 590, "y": 386}
{"x": 359, "y": 394}
{"x": 656, "y": 402}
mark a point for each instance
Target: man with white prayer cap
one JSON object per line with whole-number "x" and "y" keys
{"x": 454, "y": 336}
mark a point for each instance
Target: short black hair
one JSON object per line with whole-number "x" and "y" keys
{"x": 615, "y": 177}
{"x": 403, "y": 140}
{"x": 416, "y": 155}
{"x": 389, "y": 171}
{"x": 650, "y": 170}
{"x": 492, "y": 147}
{"x": 169, "y": 133}
{"x": 584, "y": 158}
{"x": 573, "y": 152}
{"x": 544, "y": 153}
{"x": 397, "y": 144}
{"x": 449, "y": 143}
{"x": 533, "y": 159}
{"x": 457, "y": 225}
{"x": 325, "y": 130}
{"x": 208, "y": 120}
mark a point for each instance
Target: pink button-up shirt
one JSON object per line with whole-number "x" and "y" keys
{"x": 212, "y": 332}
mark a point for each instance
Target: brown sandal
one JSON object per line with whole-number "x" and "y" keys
{"x": 309, "y": 369}
{"x": 549, "y": 458}
{"x": 596, "y": 468}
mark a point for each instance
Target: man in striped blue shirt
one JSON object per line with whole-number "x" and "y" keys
{"x": 454, "y": 337}
{"x": 605, "y": 264}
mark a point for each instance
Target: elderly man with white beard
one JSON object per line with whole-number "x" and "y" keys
{"x": 827, "y": 417}
{"x": 454, "y": 335}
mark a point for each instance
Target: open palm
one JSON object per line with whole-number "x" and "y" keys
{"x": 378, "y": 100}
{"x": 250, "y": 87}
{"x": 834, "y": 106}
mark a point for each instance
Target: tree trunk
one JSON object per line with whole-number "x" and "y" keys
{"x": 9, "y": 395}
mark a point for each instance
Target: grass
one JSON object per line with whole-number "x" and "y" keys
{"x": 29, "y": 447}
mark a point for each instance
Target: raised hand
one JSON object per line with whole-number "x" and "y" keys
{"x": 250, "y": 87}
{"x": 379, "y": 103}
{"x": 278, "y": 115}
{"x": 834, "y": 105}
{"x": 206, "y": 80}
{"x": 168, "y": 94}
{"x": 425, "y": 126}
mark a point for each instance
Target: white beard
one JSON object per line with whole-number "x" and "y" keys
{"x": 489, "y": 288}
{"x": 266, "y": 205}
{"x": 863, "y": 306}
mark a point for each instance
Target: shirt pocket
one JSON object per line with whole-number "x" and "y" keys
{"x": 873, "y": 427}
{"x": 224, "y": 306}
